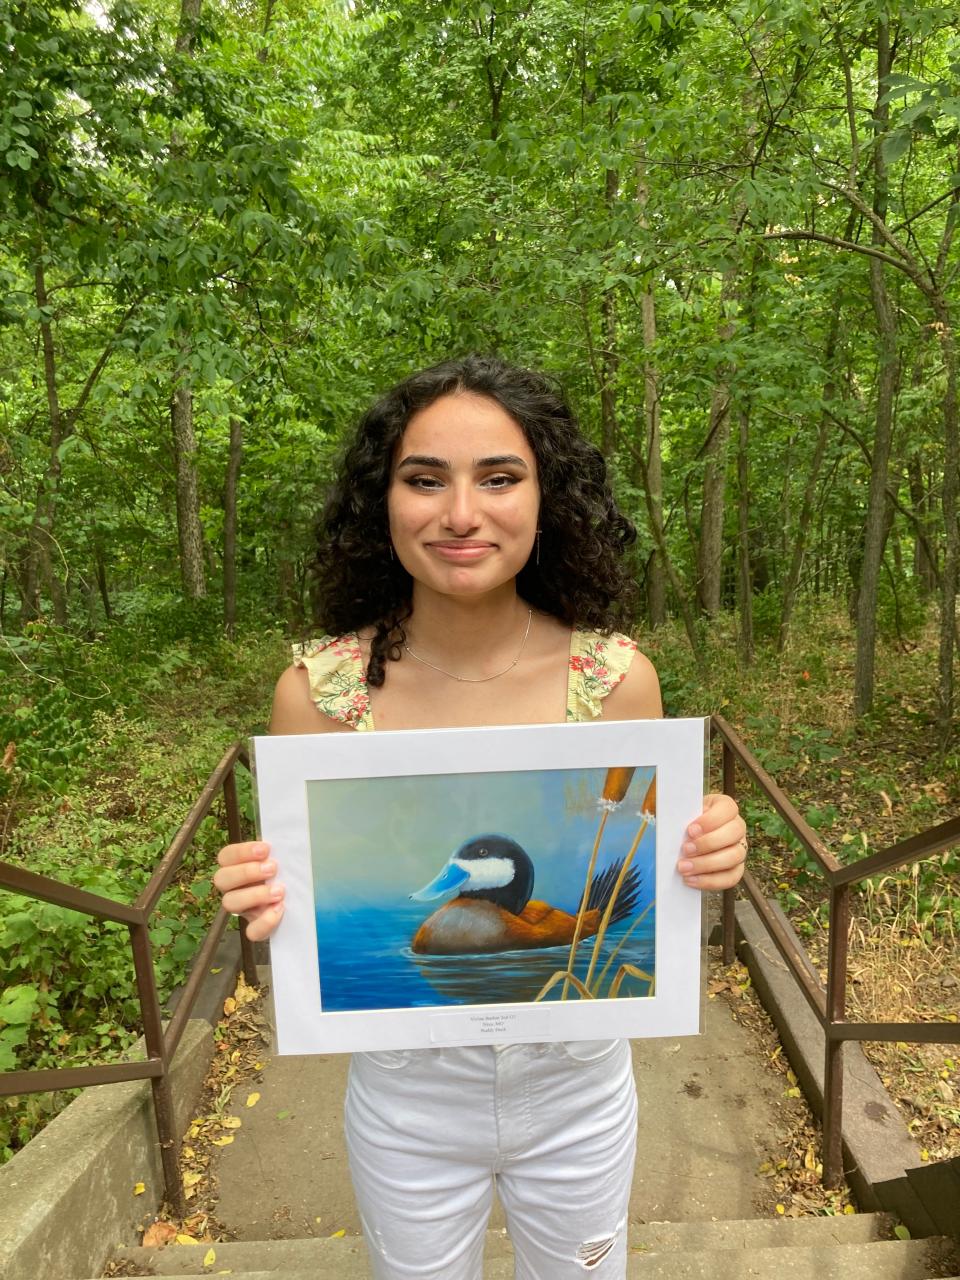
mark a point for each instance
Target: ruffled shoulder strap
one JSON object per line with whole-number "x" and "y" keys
{"x": 338, "y": 682}
{"x": 597, "y": 665}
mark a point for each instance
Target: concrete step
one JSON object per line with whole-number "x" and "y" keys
{"x": 880, "y": 1260}
{"x": 652, "y": 1237}
{"x": 760, "y": 1233}
{"x": 798, "y": 1249}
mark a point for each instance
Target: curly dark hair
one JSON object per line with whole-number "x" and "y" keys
{"x": 581, "y": 578}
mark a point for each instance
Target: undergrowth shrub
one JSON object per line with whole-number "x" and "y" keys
{"x": 112, "y": 741}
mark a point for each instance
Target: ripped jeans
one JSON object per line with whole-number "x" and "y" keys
{"x": 554, "y": 1125}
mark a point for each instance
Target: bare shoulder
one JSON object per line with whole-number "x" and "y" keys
{"x": 294, "y": 711}
{"x": 637, "y": 696}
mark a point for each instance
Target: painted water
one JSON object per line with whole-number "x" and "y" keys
{"x": 366, "y": 962}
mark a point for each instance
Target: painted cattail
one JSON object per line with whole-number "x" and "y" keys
{"x": 649, "y": 806}
{"x": 616, "y": 785}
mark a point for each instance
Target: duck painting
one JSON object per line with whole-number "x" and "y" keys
{"x": 494, "y": 908}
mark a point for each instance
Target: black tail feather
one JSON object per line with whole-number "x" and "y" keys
{"x": 601, "y": 889}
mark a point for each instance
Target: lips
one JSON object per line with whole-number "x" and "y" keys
{"x": 461, "y": 550}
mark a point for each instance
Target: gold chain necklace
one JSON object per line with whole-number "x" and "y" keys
{"x": 475, "y": 679}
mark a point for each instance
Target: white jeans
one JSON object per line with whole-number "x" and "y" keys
{"x": 555, "y": 1125}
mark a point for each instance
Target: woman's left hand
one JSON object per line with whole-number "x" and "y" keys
{"x": 715, "y": 847}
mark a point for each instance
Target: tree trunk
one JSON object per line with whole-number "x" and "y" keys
{"x": 189, "y": 531}
{"x": 656, "y": 576}
{"x": 101, "y": 574}
{"x": 951, "y": 559}
{"x": 609, "y": 359}
{"x": 924, "y": 567}
{"x": 231, "y": 485}
{"x": 651, "y": 476}
{"x": 744, "y": 574}
{"x": 40, "y": 534}
{"x": 792, "y": 582}
{"x": 710, "y": 545}
{"x": 887, "y": 372}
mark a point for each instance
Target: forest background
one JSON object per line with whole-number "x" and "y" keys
{"x": 727, "y": 228}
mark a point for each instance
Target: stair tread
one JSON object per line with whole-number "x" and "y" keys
{"x": 810, "y": 1258}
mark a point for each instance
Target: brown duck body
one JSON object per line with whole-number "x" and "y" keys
{"x": 468, "y": 925}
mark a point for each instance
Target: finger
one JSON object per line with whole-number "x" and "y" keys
{"x": 244, "y": 873}
{"x": 727, "y": 858}
{"x": 261, "y": 926}
{"x": 247, "y": 851}
{"x": 242, "y": 901}
{"x": 718, "y": 809}
{"x": 716, "y": 879}
{"x": 729, "y": 834}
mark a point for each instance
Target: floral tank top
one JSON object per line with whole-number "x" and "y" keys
{"x": 338, "y": 682}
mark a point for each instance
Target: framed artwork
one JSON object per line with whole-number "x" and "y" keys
{"x": 489, "y": 885}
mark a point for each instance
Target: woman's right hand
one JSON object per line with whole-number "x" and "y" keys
{"x": 242, "y": 882}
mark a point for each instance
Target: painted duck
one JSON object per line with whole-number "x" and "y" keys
{"x": 494, "y": 909}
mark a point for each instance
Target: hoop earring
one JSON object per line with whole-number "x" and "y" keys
{"x": 390, "y": 549}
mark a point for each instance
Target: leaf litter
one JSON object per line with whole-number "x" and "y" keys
{"x": 240, "y": 1041}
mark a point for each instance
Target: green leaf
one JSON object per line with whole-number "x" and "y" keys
{"x": 19, "y": 1004}
{"x": 895, "y": 145}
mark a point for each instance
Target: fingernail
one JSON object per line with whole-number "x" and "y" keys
{"x": 689, "y": 847}
{"x": 692, "y": 881}
{"x": 259, "y": 850}
{"x": 276, "y": 892}
{"x": 685, "y": 866}
{"x": 269, "y": 867}
{"x": 695, "y": 830}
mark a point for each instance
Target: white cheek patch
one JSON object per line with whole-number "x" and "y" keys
{"x": 486, "y": 873}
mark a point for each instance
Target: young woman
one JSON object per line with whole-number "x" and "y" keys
{"x": 470, "y": 573}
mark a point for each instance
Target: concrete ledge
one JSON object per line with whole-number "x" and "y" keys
{"x": 877, "y": 1147}
{"x": 66, "y": 1199}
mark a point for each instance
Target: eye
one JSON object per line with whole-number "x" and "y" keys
{"x": 482, "y": 853}
{"x": 500, "y": 481}
{"x": 426, "y": 484}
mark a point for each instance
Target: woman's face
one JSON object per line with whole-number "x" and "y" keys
{"x": 463, "y": 497}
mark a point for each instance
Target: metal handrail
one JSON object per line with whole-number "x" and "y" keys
{"x": 828, "y": 1003}
{"x": 161, "y": 1040}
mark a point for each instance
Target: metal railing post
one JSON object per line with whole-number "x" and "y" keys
{"x": 157, "y": 1050}
{"x": 235, "y": 834}
{"x": 729, "y": 899}
{"x": 833, "y": 1045}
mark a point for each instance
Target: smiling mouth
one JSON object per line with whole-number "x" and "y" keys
{"x": 458, "y": 550}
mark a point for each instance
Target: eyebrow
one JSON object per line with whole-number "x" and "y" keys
{"x": 442, "y": 464}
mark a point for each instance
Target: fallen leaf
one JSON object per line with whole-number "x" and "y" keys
{"x": 887, "y": 803}
{"x": 209, "y": 1258}
{"x": 848, "y": 1208}
{"x": 781, "y": 1208}
{"x": 191, "y": 1179}
{"x": 285, "y": 1115}
{"x": 229, "y": 1006}
{"x": 901, "y": 1232}
{"x": 253, "y": 1099}
{"x": 219, "y": 969}
{"x": 159, "y": 1234}
{"x": 185, "y": 1239}
{"x": 139, "y": 1188}
{"x": 224, "y": 1141}
{"x": 336, "y": 1235}
{"x": 231, "y": 1122}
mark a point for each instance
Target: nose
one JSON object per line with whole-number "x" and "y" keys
{"x": 461, "y": 516}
